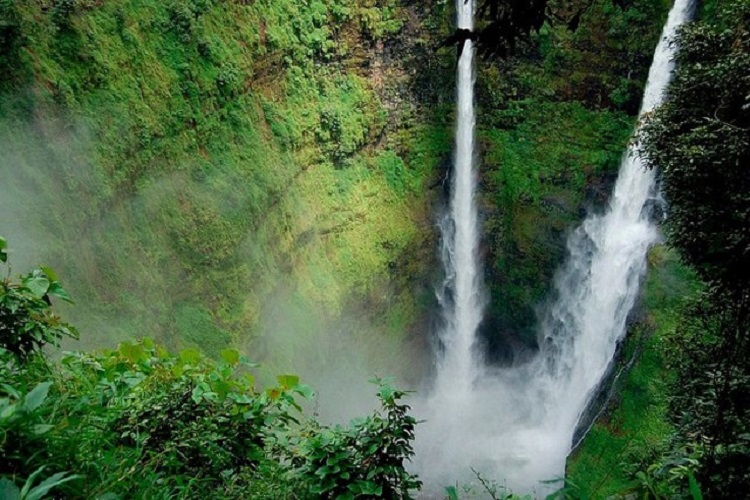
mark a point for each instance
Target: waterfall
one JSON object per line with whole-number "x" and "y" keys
{"x": 516, "y": 425}
{"x": 598, "y": 285}
{"x": 461, "y": 297}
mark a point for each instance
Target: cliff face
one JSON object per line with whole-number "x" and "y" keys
{"x": 267, "y": 173}
{"x": 554, "y": 123}
{"x": 197, "y": 168}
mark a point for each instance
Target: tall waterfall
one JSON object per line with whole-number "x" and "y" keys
{"x": 516, "y": 425}
{"x": 461, "y": 298}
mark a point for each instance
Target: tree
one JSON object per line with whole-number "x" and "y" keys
{"x": 700, "y": 139}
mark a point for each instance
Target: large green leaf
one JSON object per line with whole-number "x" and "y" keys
{"x": 231, "y": 356}
{"x": 190, "y": 356}
{"x": 37, "y": 283}
{"x": 38, "y": 492}
{"x": 8, "y": 490}
{"x": 288, "y": 381}
{"x": 58, "y": 291}
{"x": 49, "y": 272}
{"x": 695, "y": 489}
{"x": 36, "y": 397}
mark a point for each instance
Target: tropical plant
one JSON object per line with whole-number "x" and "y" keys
{"x": 365, "y": 459}
{"x": 26, "y": 321}
{"x": 29, "y": 491}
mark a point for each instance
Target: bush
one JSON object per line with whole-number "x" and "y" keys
{"x": 26, "y": 322}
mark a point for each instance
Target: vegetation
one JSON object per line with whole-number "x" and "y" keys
{"x": 701, "y": 140}
{"x": 139, "y": 422}
{"x": 196, "y": 166}
{"x": 26, "y": 322}
{"x": 554, "y": 121}
{"x": 237, "y": 147}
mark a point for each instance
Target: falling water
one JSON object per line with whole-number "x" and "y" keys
{"x": 462, "y": 307}
{"x": 516, "y": 425}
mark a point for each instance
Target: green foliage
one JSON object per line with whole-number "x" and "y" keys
{"x": 10, "y": 40}
{"x": 27, "y": 323}
{"x": 538, "y": 174}
{"x": 195, "y": 325}
{"x": 217, "y": 121}
{"x": 9, "y": 491}
{"x": 700, "y": 139}
{"x": 138, "y": 422}
{"x": 709, "y": 399}
{"x": 395, "y": 171}
{"x": 367, "y": 459}
{"x": 554, "y": 121}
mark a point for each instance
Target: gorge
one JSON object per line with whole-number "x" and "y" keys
{"x": 257, "y": 207}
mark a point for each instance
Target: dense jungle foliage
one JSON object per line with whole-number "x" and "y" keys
{"x": 140, "y": 422}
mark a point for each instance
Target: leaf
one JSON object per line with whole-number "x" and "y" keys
{"x": 132, "y": 352}
{"x": 49, "y": 272}
{"x": 451, "y": 492}
{"x": 58, "y": 291}
{"x": 30, "y": 480}
{"x": 8, "y": 490}
{"x": 288, "y": 381}
{"x": 37, "y": 283}
{"x": 190, "y": 356}
{"x": 273, "y": 394}
{"x": 222, "y": 388}
{"x": 45, "y": 486}
{"x": 3, "y": 250}
{"x": 695, "y": 489}
{"x": 305, "y": 391}
{"x": 42, "y": 429}
{"x": 10, "y": 390}
{"x": 36, "y": 397}
{"x": 7, "y": 412}
{"x": 231, "y": 356}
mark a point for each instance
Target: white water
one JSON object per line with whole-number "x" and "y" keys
{"x": 516, "y": 425}
{"x": 462, "y": 306}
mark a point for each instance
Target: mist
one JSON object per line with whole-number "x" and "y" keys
{"x": 115, "y": 252}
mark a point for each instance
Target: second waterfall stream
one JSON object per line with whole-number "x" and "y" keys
{"x": 515, "y": 426}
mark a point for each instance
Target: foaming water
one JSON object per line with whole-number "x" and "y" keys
{"x": 516, "y": 425}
